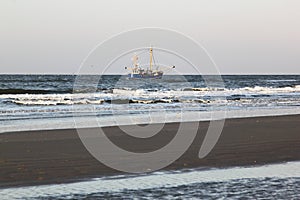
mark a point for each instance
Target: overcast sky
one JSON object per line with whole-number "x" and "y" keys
{"x": 242, "y": 36}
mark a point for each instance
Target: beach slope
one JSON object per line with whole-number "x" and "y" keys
{"x": 56, "y": 156}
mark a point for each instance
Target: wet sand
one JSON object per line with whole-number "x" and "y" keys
{"x": 57, "y": 156}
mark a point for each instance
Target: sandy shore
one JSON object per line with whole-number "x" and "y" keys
{"x": 40, "y": 157}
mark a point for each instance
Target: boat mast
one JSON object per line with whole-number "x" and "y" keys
{"x": 151, "y": 57}
{"x": 135, "y": 63}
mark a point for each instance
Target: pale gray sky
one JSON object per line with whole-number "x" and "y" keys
{"x": 242, "y": 36}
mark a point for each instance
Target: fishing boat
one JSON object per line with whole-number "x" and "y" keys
{"x": 139, "y": 72}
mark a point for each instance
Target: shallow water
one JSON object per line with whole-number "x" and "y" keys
{"x": 276, "y": 181}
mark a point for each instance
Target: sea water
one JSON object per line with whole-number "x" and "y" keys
{"x": 32, "y": 102}
{"x": 276, "y": 181}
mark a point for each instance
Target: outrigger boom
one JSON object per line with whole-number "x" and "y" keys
{"x": 137, "y": 72}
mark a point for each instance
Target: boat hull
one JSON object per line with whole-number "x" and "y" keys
{"x": 144, "y": 76}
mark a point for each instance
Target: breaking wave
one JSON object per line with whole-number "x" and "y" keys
{"x": 144, "y": 96}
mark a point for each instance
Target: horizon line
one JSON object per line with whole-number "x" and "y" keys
{"x": 120, "y": 74}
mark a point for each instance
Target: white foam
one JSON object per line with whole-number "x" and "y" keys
{"x": 86, "y": 98}
{"x": 284, "y": 80}
{"x": 56, "y": 102}
{"x": 154, "y": 180}
{"x": 57, "y": 99}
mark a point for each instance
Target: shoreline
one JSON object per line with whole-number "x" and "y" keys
{"x": 110, "y": 121}
{"x": 58, "y": 156}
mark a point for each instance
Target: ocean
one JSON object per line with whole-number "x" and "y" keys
{"x": 30, "y": 102}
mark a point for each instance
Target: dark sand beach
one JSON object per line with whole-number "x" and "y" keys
{"x": 57, "y": 156}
